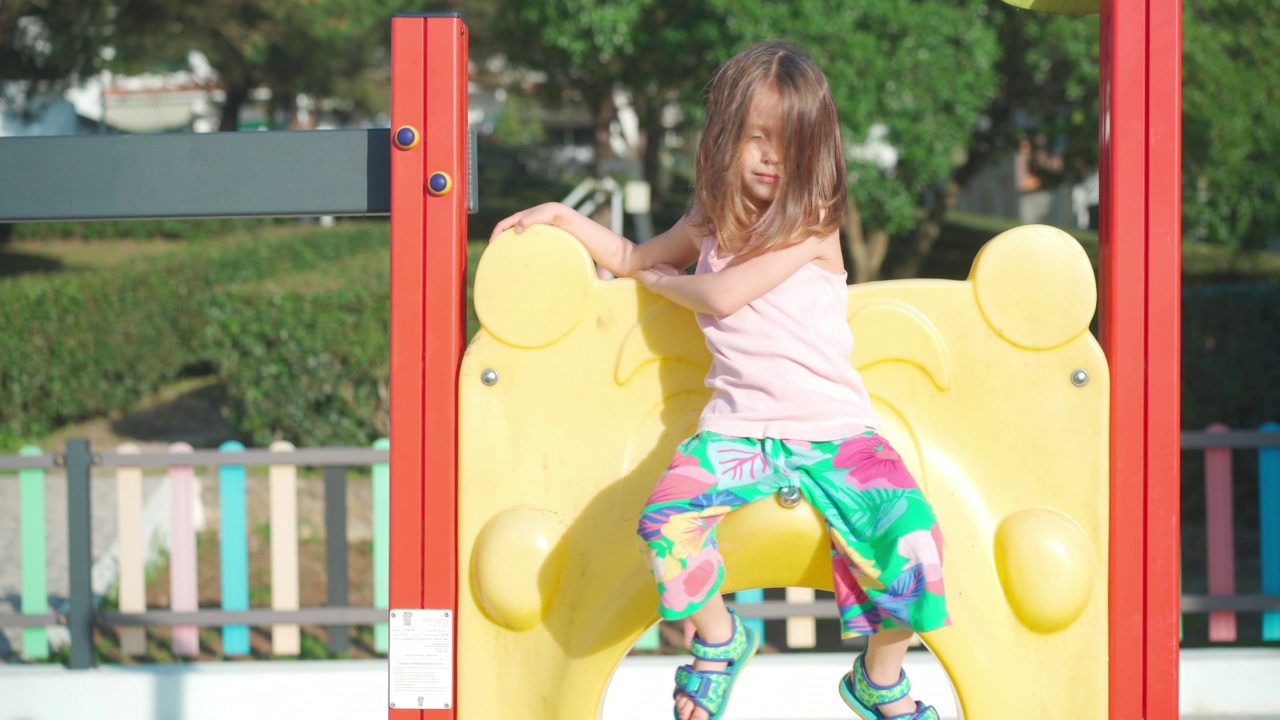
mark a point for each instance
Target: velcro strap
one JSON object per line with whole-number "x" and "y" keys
{"x": 693, "y": 683}
{"x": 872, "y": 695}
{"x": 729, "y": 651}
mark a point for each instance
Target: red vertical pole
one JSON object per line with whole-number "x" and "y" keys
{"x": 1140, "y": 257}
{"x": 428, "y": 322}
{"x": 1122, "y": 177}
{"x": 1163, "y": 355}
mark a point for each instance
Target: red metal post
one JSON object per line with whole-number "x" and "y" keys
{"x": 1163, "y": 356}
{"x": 428, "y": 321}
{"x": 1122, "y": 216}
{"x": 1140, "y": 314}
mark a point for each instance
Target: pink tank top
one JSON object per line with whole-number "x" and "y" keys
{"x": 780, "y": 366}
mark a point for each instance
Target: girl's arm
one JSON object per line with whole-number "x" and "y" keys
{"x": 726, "y": 292}
{"x": 677, "y": 247}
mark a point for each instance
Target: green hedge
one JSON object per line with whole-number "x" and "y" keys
{"x": 296, "y": 326}
{"x": 138, "y": 229}
{"x": 80, "y": 344}
{"x": 311, "y": 367}
{"x": 1230, "y": 355}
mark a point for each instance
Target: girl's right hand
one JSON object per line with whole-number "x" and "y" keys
{"x": 552, "y": 213}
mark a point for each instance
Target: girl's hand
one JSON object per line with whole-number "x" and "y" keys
{"x": 553, "y": 213}
{"x": 649, "y": 277}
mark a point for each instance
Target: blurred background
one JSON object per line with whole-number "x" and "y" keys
{"x": 960, "y": 119}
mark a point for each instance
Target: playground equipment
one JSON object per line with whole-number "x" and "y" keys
{"x": 514, "y": 498}
{"x": 576, "y": 391}
{"x": 510, "y": 581}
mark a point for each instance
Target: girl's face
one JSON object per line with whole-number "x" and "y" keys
{"x": 760, "y": 161}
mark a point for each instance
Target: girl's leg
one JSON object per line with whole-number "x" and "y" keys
{"x": 714, "y": 625}
{"x": 883, "y": 661}
{"x": 678, "y": 525}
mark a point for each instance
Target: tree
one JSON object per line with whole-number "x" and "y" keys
{"x": 44, "y": 44}
{"x": 323, "y": 47}
{"x": 1230, "y": 129}
{"x": 1047, "y": 68}
{"x": 656, "y": 51}
{"x": 317, "y": 47}
{"x": 910, "y": 80}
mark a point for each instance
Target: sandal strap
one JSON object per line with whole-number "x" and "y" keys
{"x": 922, "y": 712}
{"x": 925, "y": 712}
{"x": 871, "y": 695}
{"x": 730, "y": 651}
{"x": 708, "y": 689}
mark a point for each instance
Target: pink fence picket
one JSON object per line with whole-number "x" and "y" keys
{"x": 1219, "y": 535}
{"x": 133, "y": 579}
{"x": 183, "y": 596}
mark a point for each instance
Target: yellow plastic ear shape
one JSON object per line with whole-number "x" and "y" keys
{"x": 1058, "y": 7}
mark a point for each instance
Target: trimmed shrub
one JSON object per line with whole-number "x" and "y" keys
{"x": 309, "y": 367}
{"x": 79, "y": 344}
{"x": 1230, "y": 355}
{"x": 141, "y": 229}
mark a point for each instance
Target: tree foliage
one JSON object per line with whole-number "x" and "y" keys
{"x": 314, "y": 47}
{"x": 46, "y": 43}
{"x": 1231, "y": 131}
{"x": 910, "y": 81}
{"x": 656, "y": 51}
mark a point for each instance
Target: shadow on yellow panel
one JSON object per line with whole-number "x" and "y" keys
{"x": 576, "y": 391}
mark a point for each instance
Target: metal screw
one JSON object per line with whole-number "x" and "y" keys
{"x": 393, "y": 704}
{"x": 789, "y": 497}
{"x": 393, "y": 614}
{"x": 1079, "y": 378}
{"x": 489, "y": 377}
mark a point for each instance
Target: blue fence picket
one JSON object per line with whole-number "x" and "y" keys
{"x": 1269, "y": 527}
{"x": 751, "y": 597}
{"x": 235, "y": 549}
{"x": 35, "y": 595}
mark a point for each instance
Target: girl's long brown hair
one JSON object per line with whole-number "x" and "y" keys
{"x": 811, "y": 198}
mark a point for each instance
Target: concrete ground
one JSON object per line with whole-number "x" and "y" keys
{"x": 1221, "y": 684}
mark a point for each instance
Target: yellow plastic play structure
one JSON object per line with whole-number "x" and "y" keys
{"x": 576, "y": 391}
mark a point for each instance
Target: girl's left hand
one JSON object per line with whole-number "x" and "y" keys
{"x": 654, "y": 275}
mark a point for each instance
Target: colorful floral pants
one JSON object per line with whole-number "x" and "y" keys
{"x": 886, "y": 548}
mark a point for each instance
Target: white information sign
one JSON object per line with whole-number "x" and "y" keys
{"x": 420, "y": 659}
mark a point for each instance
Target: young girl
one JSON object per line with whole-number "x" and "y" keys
{"x": 788, "y": 409}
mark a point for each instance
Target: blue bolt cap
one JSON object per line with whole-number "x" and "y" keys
{"x": 406, "y": 137}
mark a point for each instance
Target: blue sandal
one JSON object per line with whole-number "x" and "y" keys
{"x": 709, "y": 689}
{"x": 863, "y": 696}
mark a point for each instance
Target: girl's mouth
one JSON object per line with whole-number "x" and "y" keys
{"x": 767, "y": 178}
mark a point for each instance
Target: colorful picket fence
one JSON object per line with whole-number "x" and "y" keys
{"x": 231, "y": 475}
{"x": 233, "y": 548}
{"x": 1220, "y": 531}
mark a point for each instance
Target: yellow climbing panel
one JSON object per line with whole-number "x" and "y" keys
{"x": 575, "y": 392}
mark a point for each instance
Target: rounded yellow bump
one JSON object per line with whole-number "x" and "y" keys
{"x": 1046, "y": 566}
{"x": 516, "y": 566}
{"x": 1058, "y": 7}
{"x": 1035, "y": 286}
{"x": 531, "y": 288}
{"x": 889, "y": 330}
